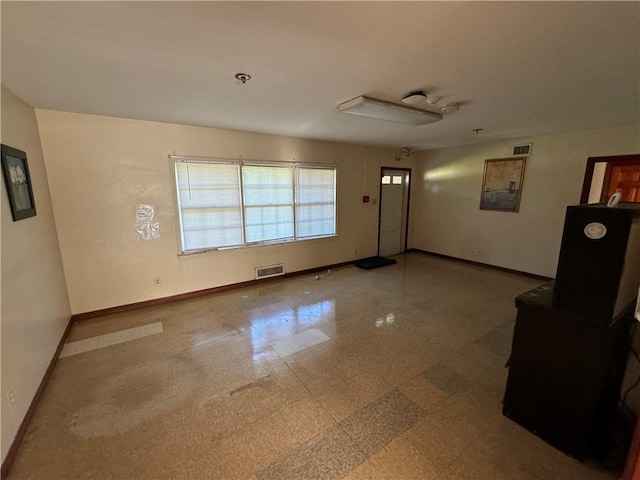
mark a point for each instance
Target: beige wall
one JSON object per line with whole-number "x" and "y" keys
{"x": 35, "y": 307}
{"x": 445, "y": 214}
{"x": 101, "y": 167}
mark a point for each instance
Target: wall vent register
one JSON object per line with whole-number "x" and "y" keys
{"x": 522, "y": 149}
{"x": 270, "y": 271}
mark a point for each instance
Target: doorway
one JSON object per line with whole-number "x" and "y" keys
{"x": 394, "y": 210}
{"x": 606, "y": 175}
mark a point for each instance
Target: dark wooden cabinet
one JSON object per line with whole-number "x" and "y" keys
{"x": 565, "y": 372}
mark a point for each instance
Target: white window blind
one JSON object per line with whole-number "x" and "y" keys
{"x": 223, "y": 204}
{"x": 268, "y": 202}
{"x": 315, "y": 202}
{"x": 209, "y": 205}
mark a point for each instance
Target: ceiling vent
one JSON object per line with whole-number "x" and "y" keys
{"x": 524, "y": 149}
{"x": 270, "y": 271}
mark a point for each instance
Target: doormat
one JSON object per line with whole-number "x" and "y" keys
{"x": 374, "y": 262}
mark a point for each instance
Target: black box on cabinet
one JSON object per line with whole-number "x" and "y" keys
{"x": 598, "y": 271}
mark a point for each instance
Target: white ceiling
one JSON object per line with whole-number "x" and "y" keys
{"x": 517, "y": 68}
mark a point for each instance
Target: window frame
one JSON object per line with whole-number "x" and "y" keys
{"x": 291, "y": 173}
{"x": 296, "y": 173}
{"x": 178, "y": 209}
{"x": 239, "y": 163}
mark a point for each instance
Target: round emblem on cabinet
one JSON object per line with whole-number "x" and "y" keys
{"x": 595, "y": 230}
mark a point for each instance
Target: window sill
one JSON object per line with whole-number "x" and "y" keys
{"x": 253, "y": 245}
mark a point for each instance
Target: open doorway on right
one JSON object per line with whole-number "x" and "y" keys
{"x": 605, "y": 176}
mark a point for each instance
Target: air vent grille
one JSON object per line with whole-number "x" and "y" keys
{"x": 522, "y": 149}
{"x": 270, "y": 271}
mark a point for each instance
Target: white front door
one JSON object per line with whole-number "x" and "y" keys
{"x": 394, "y": 197}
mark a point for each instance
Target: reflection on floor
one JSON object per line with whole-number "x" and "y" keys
{"x": 393, "y": 373}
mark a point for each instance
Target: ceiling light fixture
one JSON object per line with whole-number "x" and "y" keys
{"x": 370, "y": 107}
{"x": 243, "y": 77}
{"x": 420, "y": 96}
{"x": 415, "y": 97}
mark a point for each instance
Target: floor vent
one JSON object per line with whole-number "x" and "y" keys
{"x": 270, "y": 271}
{"x": 522, "y": 149}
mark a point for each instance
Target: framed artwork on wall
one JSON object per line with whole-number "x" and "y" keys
{"x": 18, "y": 182}
{"x": 502, "y": 184}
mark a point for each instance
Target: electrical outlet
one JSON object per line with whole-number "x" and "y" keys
{"x": 12, "y": 398}
{"x": 157, "y": 281}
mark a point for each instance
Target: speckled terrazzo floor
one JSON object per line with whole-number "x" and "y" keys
{"x": 394, "y": 373}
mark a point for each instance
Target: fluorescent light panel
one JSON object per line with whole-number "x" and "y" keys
{"x": 370, "y": 107}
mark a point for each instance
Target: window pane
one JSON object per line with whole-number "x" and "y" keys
{"x": 386, "y": 180}
{"x": 209, "y": 204}
{"x": 213, "y": 206}
{"x": 397, "y": 179}
{"x": 316, "y": 202}
{"x": 268, "y": 202}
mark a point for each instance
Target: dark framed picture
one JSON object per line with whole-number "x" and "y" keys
{"x": 18, "y": 182}
{"x": 502, "y": 184}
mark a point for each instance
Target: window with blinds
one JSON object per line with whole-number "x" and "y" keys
{"x": 233, "y": 204}
{"x": 268, "y": 203}
{"x": 315, "y": 202}
{"x": 209, "y": 205}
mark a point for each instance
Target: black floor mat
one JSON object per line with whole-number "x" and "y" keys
{"x": 374, "y": 262}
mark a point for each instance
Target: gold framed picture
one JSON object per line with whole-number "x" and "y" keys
{"x": 502, "y": 184}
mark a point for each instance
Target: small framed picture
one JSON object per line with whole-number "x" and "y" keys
{"x": 502, "y": 184}
{"x": 18, "y": 182}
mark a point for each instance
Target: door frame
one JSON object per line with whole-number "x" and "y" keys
{"x": 614, "y": 160}
{"x": 406, "y": 220}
